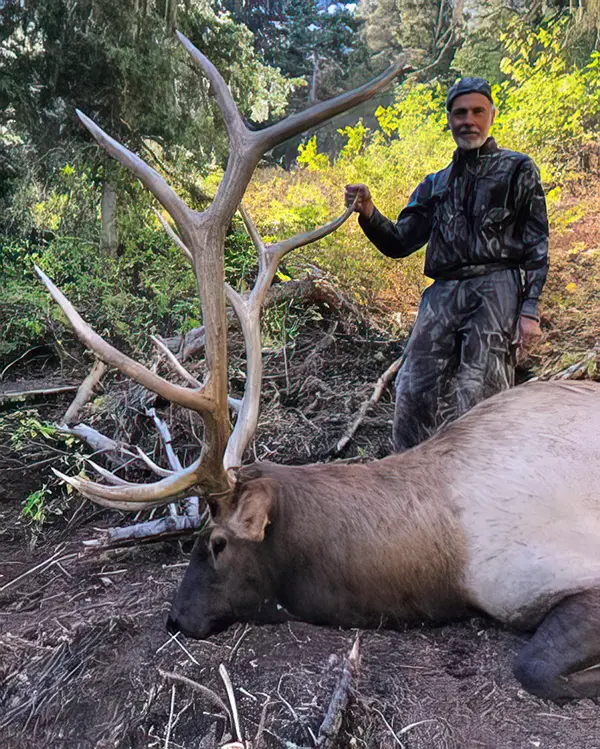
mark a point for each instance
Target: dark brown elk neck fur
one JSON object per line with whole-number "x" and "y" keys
{"x": 357, "y": 544}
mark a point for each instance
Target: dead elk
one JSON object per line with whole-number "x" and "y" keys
{"x": 499, "y": 513}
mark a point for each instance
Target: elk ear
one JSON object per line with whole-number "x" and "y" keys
{"x": 251, "y": 516}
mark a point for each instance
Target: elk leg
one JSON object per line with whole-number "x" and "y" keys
{"x": 553, "y": 663}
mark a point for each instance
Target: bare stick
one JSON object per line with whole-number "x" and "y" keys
{"x": 192, "y": 503}
{"x": 330, "y": 727}
{"x": 204, "y": 691}
{"x": 46, "y": 564}
{"x": 380, "y": 386}
{"x": 170, "y": 723}
{"x": 85, "y": 392}
{"x": 157, "y": 530}
{"x": 96, "y": 440}
{"x": 24, "y": 394}
{"x": 231, "y": 695}
{"x": 165, "y": 436}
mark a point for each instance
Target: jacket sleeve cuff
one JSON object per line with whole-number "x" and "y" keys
{"x": 529, "y": 308}
{"x": 373, "y": 222}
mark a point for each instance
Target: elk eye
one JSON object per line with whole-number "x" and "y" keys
{"x": 217, "y": 545}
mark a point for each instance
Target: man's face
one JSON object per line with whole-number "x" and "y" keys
{"x": 470, "y": 120}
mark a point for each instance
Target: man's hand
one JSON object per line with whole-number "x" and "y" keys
{"x": 364, "y": 204}
{"x": 529, "y": 333}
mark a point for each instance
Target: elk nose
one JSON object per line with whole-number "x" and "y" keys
{"x": 172, "y": 626}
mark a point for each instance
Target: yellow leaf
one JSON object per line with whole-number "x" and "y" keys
{"x": 571, "y": 287}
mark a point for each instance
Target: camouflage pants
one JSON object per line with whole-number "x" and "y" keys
{"x": 460, "y": 351}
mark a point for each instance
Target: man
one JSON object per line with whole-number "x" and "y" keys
{"x": 484, "y": 219}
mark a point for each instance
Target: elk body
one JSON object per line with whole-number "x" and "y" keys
{"x": 499, "y": 513}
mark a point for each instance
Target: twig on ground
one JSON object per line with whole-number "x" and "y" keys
{"x": 380, "y": 386}
{"x": 213, "y": 697}
{"x": 152, "y": 530}
{"x": 191, "y": 503}
{"x": 85, "y": 392}
{"x": 238, "y": 642}
{"x": 19, "y": 358}
{"x": 330, "y": 727}
{"x": 25, "y": 394}
{"x": 231, "y": 695}
{"x": 46, "y": 564}
{"x": 389, "y": 727}
{"x": 97, "y": 441}
{"x": 170, "y": 723}
{"x": 261, "y": 725}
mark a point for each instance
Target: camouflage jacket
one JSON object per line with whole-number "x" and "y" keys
{"x": 486, "y": 211}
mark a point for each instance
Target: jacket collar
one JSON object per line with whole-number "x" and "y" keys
{"x": 470, "y": 157}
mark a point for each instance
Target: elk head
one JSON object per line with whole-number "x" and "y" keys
{"x": 228, "y": 579}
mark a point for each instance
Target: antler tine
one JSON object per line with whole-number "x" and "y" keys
{"x": 231, "y": 115}
{"x": 173, "y": 237}
{"x": 108, "y": 475}
{"x": 148, "y": 176}
{"x": 318, "y": 113}
{"x": 193, "y": 399}
{"x": 135, "y": 497}
{"x": 280, "y": 249}
{"x": 253, "y": 234}
{"x": 248, "y": 312}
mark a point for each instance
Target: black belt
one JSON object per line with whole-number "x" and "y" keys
{"x": 472, "y": 271}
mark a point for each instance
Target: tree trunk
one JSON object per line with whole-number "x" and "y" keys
{"x": 109, "y": 238}
{"x": 312, "y": 97}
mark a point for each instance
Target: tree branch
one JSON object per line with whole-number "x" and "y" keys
{"x": 85, "y": 392}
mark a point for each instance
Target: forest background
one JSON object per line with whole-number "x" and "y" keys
{"x": 89, "y": 225}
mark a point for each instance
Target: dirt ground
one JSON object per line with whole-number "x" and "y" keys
{"x": 86, "y": 662}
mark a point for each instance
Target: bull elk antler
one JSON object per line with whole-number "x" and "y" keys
{"x": 202, "y": 239}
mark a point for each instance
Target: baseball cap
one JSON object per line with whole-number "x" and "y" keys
{"x": 468, "y": 86}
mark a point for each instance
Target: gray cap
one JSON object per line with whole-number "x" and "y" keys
{"x": 468, "y": 86}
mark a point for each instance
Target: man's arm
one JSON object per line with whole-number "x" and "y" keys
{"x": 530, "y": 196}
{"x": 410, "y": 232}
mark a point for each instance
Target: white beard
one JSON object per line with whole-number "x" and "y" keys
{"x": 470, "y": 144}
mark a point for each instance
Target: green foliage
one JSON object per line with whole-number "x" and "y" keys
{"x": 420, "y": 29}
{"x": 309, "y": 156}
{"x": 34, "y": 506}
{"x": 298, "y": 38}
{"x": 548, "y": 108}
{"x": 148, "y": 288}
{"x": 27, "y": 426}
